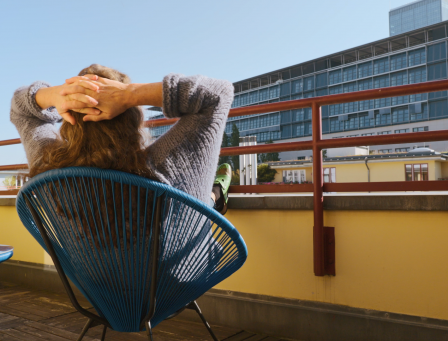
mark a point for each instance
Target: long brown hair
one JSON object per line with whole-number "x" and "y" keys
{"x": 110, "y": 144}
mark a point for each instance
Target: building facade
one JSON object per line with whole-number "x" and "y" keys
{"x": 412, "y": 57}
{"x": 421, "y": 165}
{"x": 416, "y": 15}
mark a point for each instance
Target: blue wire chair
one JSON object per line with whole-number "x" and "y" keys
{"x": 5, "y": 252}
{"x": 140, "y": 251}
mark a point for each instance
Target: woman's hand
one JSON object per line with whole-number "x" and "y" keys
{"x": 112, "y": 97}
{"x": 71, "y": 96}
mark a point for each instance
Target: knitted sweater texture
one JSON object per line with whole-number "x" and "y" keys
{"x": 185, "y": 157}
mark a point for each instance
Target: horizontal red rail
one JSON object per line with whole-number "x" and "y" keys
{"x": 324, "y": 237}
{"x": 325, "y": 100}
{"x": 8, "y": 142}
{"x": 23, "y": 166}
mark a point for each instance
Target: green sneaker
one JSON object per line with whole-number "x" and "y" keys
{"x": 223, "y": 178}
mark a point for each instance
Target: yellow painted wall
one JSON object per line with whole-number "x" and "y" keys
{"x": 13, "y": 233}
{"x": 389, "y": 261}
{"x": 444, "y": 168}
{"x": 385, "y": 260}
{"x": 437, "y": 170}
{"x": 379, "y": 171}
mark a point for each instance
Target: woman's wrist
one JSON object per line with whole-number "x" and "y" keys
{"x": 45, "y": 97}
{"x": 144, "y": 94}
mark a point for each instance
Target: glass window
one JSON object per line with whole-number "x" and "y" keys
{"x": 365, "y": 121}
{"x": 297, "y": 115}
{"x": 325, "y": 126}
{"x": 418, "y": 111}
{"x": 417, "y": 75}
{"x": 308, "y": 94}
{"x": 321, "y": 80}
{"x": 402, "y": 150}
{"x": 296, "y": 86}
{"x": 335, "y": 109}
{"x": 398, "y": 61}
{"x": 364, "y": 70}
{"x": 308, "y": 83}
{"x": 437, "y": 71}
{"x": 436, "y": 52}
{"x": 381, "y": 65}
{"x": 286, "y": 132}
{"x": 382, "y": 119}
{"x": 416, "y": 172}
{"x": 336, "y": 125}
{"x": 253, "y": 97}
{"x": 400, "y": 115}
{"x": 367, "y": 134}
{"x": 401, "y": 131}
{"x": 365, "y": 85}
{"x": 335, "y": 77}
{"x": 236, "y": 101}
{"x": 244, "y": 99}
{"x": 399, "y": 78}
{"x": 438, "y": 109}
{"x": 329, "y": 174}
{"x": 387, "y": 132}
{"x": 300, "y": 130}
{"x": 264, "y": 95}
{"x": 274, "y": 92}
{"x": 438, "y": 94}
{"x": 307, "y": 114}
{"x": 352, "y": 106}
{"x": 351, "y": 123}
{"x": 419, "y": 129}
{"x": 285, "y": 89}
{"x": 349, "y": 73}
{"x": 381, "y": 82}
{"x": 384, "y": 151}
{"x": 417, "y": 57}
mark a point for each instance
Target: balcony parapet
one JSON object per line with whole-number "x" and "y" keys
{"x": 332, "y": 202}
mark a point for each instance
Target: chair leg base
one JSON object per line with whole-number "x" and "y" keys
{"x": 90, "y": 324}
{"x": 149, "y": 331}
{"x": 193, "y": 305}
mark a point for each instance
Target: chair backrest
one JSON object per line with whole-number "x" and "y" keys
{"x": 101, "y": 226}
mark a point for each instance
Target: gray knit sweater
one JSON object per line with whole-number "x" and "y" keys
{"x": 185, "y": 157}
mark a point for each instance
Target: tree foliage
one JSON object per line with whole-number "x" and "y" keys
{"x": 235, "y": 141}
{"x": 265, "y": 173}
{"x": 9, "y": 181}
{"x": 225, "y": 143}
{"x": 266, "y": 157}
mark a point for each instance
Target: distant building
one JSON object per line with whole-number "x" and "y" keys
{"x": 416, "y": 15}
{"x": 412, "y": 57}
{"x": 418, "y": 165}
{"x": 13, "y": 179}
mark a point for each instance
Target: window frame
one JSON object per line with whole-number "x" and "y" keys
{"x": 412, "y": 165}
{"x": 332, "y": 172}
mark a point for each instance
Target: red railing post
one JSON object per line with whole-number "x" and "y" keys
{"x": 318, "y": 230}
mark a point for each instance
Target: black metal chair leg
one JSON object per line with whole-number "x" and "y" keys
{"x": 193, "y": 305}
{"x": 103, "y": 335}
{"x": 87, "y": 326}
{"x": 149, "y": 331}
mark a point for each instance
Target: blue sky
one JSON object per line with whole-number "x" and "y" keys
{"x": 232, "y": 39}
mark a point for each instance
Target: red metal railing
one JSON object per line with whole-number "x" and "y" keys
{"x": 323, "y": 240}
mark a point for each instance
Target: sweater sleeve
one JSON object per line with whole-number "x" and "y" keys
{"x": 36, "y": 127}
{"x": 186, "y": 156}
